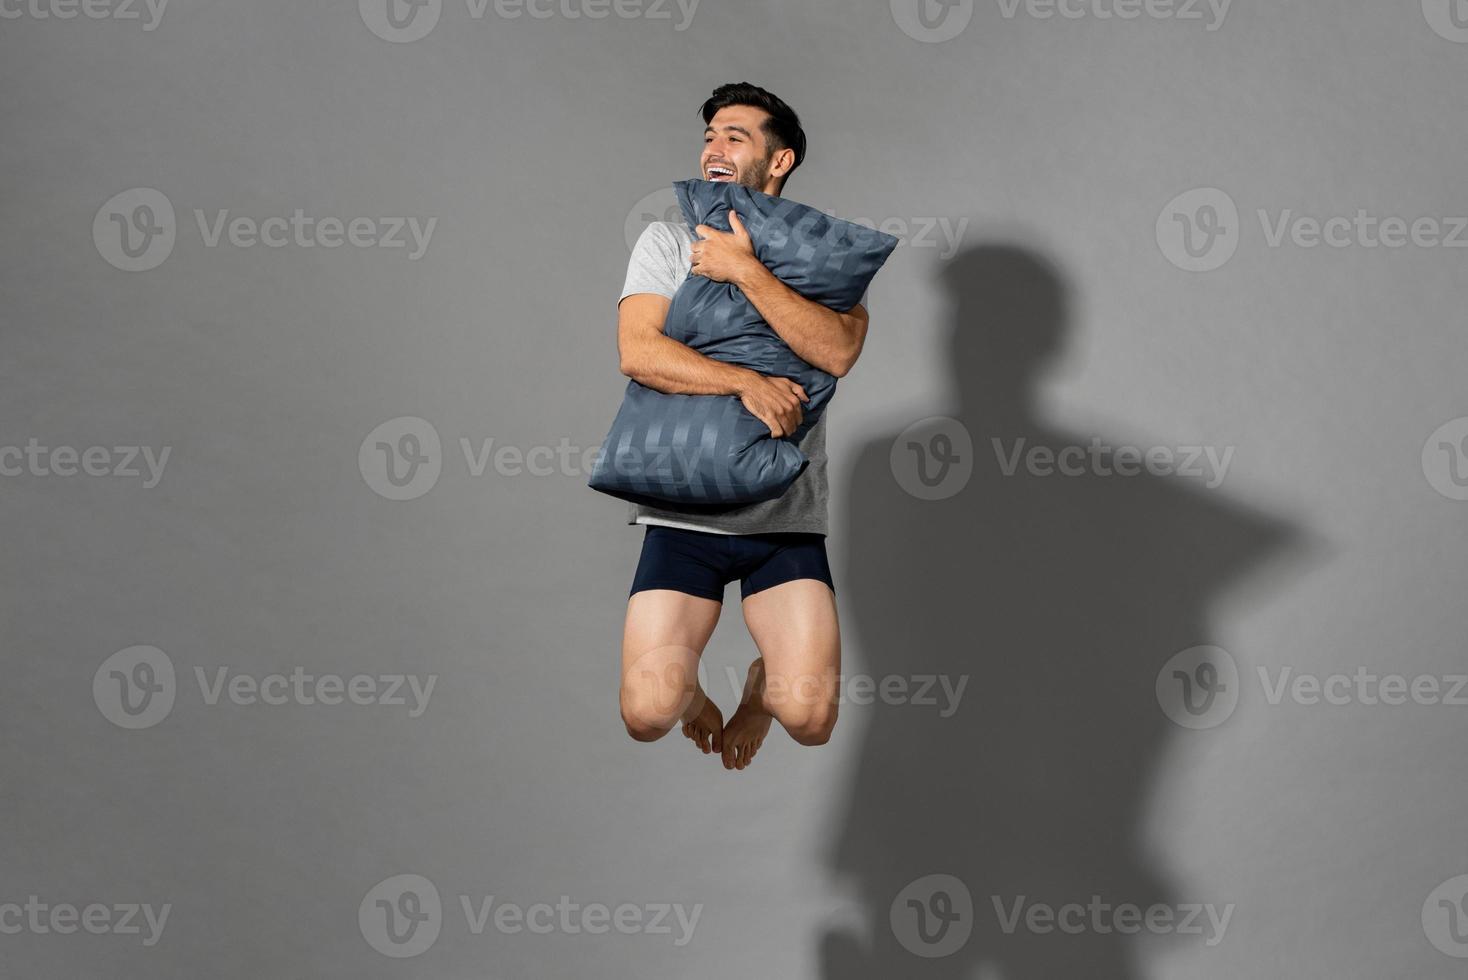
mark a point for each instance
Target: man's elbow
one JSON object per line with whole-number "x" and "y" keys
{"x": 845, "y": 362}
{"x": 628, "y": 361}
{"x": 854, "y": 337}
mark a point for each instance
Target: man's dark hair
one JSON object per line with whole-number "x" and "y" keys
{"x": 782, "y": 128}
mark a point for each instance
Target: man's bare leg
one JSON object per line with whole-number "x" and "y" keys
{"x": 662, "y": 641}
{"x": 795, "y": 679}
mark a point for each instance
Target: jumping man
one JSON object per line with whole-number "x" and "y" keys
{"x": 776, "y": 548}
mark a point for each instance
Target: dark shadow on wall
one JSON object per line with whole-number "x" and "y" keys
{"x": 1060, "y": 597}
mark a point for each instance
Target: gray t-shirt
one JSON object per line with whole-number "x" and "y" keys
{"x": 660, "y": 261}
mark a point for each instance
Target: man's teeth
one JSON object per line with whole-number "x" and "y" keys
{"x": 720, "y": 172}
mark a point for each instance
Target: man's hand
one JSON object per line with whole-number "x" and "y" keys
{"x": 724, "y": 256}
{"x": 775, "y": 402}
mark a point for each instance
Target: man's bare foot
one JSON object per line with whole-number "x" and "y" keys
{"x": 704, "y": 723}
{"x": 747, "y": 728}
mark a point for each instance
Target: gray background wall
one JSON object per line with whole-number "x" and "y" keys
{"x": 1067, "y": 156}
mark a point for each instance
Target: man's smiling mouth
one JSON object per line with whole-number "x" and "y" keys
{"x": 720, "y": 173}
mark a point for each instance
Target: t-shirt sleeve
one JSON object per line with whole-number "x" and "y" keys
{"x": 653, "y": 267}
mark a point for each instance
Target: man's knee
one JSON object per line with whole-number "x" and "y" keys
{"x": 804, "y": 705}
{"x": 647, "y": 717}
{"x": 808, "y": 724}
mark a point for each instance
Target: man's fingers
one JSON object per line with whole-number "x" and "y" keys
{"x": 796, "y": 389}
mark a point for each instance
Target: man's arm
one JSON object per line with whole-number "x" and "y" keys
{"x": 824, "y": 338}
{"x": 651, "y": 357}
